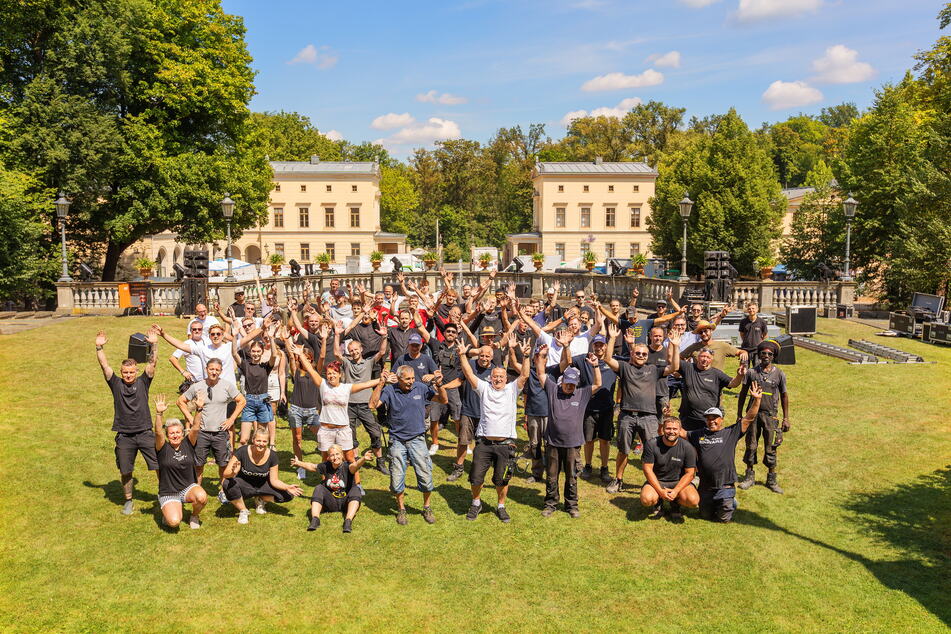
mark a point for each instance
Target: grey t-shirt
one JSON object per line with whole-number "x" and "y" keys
{"x": 217, "y": 397}
{"x": 358, "y": 373}
{"x": 565, "y": 415}
{"x": 638, "y": 386}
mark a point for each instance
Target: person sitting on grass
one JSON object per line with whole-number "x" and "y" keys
{"x": 176, "y": 466}
{"x": 252, "y": 472}
{"x": 338, "y": 491}
{"x": 669, "y": 465}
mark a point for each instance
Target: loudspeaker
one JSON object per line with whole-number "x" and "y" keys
{"x": 139, "y": 348}
{"x": 902, "y": 324}
{"x": 787, "y": 350}
{"x": 193, "y": 292}
{"x": 801, "y": 320}
{"x": 934, "y": 332}
{"x": 196, "y": 263}
{"x": 179, "y": 271}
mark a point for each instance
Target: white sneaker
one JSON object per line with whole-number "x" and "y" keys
{"x": 222, "y": 498}
{"x": 301, "y": 473}
{"x": 194, "y": 523}
{"x": 243, "y": 516}
{"x": 259, "y": 508}
{"x": 433, "y": 449}
{"x": 469, "y": 450}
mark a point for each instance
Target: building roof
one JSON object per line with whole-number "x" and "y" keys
{"x": 317, "y": 166}
{"x": 594, "y": 167}
{"x": 530, "y": 234}
{"x": 387, "y": 234}
{"x": 797, "y": 192}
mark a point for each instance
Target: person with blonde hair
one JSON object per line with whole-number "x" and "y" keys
{"x": 339, "y": 490}
{"x": 175, "y": 450}
{"x": 252, "y": 472}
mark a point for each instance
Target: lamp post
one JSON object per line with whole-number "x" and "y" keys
{"x": 848, "y": 206}
{"x": 686, "y": 206}
{"x": 62, "y": 208}
{"x": 227, "y": 208}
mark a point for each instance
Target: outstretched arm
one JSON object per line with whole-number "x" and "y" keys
{"x": 756, "y": 393}
{"x": 101, "y": 356}
{"x": 159, "y": 425}
{"x": 740, "y": 373}
{"x": 466, "y": 366}
{"x": 609, "y": 360}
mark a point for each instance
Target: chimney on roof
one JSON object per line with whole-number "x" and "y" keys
{"x": 314, "y": 159}
{"x": 598, "y": 160}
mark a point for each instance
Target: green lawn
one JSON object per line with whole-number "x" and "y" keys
{"x": 860, "y": 541}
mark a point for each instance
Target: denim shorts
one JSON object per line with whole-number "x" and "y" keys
{"x": 404, "y": 454}
{"x": 298, "y": 416}
{"x": 257, "y": 409}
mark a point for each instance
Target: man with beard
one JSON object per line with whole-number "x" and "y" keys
{"x": 720, "y": 349}
{"x": 669, "y": 465}
{"x": 766, "y": 424}
{"x": 702, "y": 387}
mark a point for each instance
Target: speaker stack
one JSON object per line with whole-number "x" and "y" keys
{"x": 719, "y": 275}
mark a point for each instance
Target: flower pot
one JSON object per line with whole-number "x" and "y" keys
{"x": 484, "y": 265}
{"x": 275, "y": 269}
{"x": 589, "y": 265}
{"x": 375, "y": 264}
{"x": 766, "y": 272}
{"x": 145, "y": 273}
{"x": 429, "y": 264}
{"x": 324, "y": 266}
{"x": 538, "y": 264}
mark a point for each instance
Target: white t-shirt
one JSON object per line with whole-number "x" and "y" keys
{"x": 497, "y": 418}
{"x": 579, "y": 345}
{"x": 193, "y": 364}
{"x": 223, "y": 353}
{"x": 335, "y": 401}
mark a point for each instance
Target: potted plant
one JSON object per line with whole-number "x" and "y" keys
{"x": 277, "y": 261}
{"x": 765, "y": 265}
{"x": 323, "y": 260}
{"x": 145, "y": 266}
{"x": 429, "y": 259}
{"x": 376, "y": 258}
{"x": 484, "y": 259}
{"x": 638, "y": 262}
{"x": 590, "y": 259}
{"x": 538, "y": 259}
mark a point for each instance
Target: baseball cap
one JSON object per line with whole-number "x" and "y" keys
{"x": 488, "y": 331}
{"x": 713, "y": 411}
{"x": 703, "y": 324}
{"x": 599, "y": 339}
{"x": 339, "y": 293}
{"x": 571, "y": 376}
{"x": 414, "y": 338}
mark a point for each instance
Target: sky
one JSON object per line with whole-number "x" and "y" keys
{"x": 407, "y": 74}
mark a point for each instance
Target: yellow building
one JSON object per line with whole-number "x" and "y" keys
{"x": 315, "y": 207}
{"x": 588, "y": 205}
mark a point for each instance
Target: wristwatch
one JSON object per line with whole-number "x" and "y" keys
{"x": 98, "y": 347}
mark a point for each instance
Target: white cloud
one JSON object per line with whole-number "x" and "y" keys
{"x": 321, "y": 57}
{"x": 620, "y": 81}
{"x": 434, "y": 129}
{"x": 697, "y": 4}
{"x": 756, "y": 10}
{"x": 840, "y": 65}
{"x": 665, "y": 60}
{"x": 617, "y": 111}
{"x": 392, "y": 120}
{"x": 445, "y": 98}
{"x": 790, "y": 94}
{"x": 333, "y": 135}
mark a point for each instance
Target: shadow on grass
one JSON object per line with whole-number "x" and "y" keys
{"x": 527, "y": 496}
{"x": 912, "y": 518}
{"x": 458, "y": 495}
{"x": 382, "y": 502}
{"x": 632, "y": 507}
{"x": 112, "y": 491}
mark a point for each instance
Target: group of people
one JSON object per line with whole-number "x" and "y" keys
{"x": 405, "y": 362}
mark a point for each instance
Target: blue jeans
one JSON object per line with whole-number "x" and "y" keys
{"x": 298, "y": 416}
{"x": 417, "y": 453}
{"x": 257, "y": 409}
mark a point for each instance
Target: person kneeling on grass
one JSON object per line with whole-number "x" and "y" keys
{"x": 669, "y": 466}
{"x": 176, "y": 466}
{"x": 252, "y": 472}
{"x": 338, "y": 491}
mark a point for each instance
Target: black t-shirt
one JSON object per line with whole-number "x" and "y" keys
{"x": 447, "y": 358}
{"x": 716, "y": 455}
{"x": 659, "y": 358}
{"x": 639, "y": 386}
{"x": 255, "y": 375}
{"x": 603, "y": 399}
{"x": 773, "y": 383}
{"x": 482, "y": 320}
{"x": 536, "y": 400}
{"x": 752, "y": 332}
{"x": 669, "y": 462}
{"x": 314, "y": 342}
{"x": 702, "y": 390}
{"x": 176, "y": 467}
{"x": 305, "y": 392}
{"x": 238, "y": 310}
{"x": 471, "y": 406}
{"x": 399, "y": 339}
{"x": 422, "y": 365}
{"x": 368, "y": 337}
{"x": 337, "y": 480}
{"x": 254, "y": 474}
{"x": 131, "y": 403}
{"x": 565, "y": 415}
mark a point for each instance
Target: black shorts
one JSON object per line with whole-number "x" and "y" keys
{"x": 127, "y": 445}
{"x": 218, "y": 443}
{"x": 235, "y": 488}
{"x": 717, "y": 505}
{"x": 329, "y": 502}
{"x": 498, "y": 456}
{"x": 452, "y": 410}
{"x": 361, "y": 413}
{"x": 599, "y": 425}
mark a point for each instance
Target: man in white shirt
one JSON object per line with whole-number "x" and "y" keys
{"x": 206, "y": 320}
{"x": 194, "y": 369}
{"x": 495, "y": 434}
{"x": 578, "y": 342}
{"x": 218, "y": 348}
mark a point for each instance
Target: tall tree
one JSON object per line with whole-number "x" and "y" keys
{"x": 155, "y": 95}
{"x": 738, "y": 206}
{"x": 818, "y": 227}
{"x": 290, "y": 136}
{"x": 650, "y": 126}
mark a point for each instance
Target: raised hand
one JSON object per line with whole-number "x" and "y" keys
{"x": 199, "y": 398}
{"x": 401, "y": 277}
{"x": 368, "y": 456}
{"x": 297, "y": 349}
{"x": 756, "y": 390}
{"x": 542, "y": 351}
{"x": 152, "y": 336}
{"x": 324, "y": 330}
{"x": 629, "y": 336}
{"x": 160, "y": 404}
{"x": 380, "y": 329}
{"x": 391, "y": 377}
{"x": 526, "y": 347}
{"x": 635, "y": 293}
{"x": 101, "y": 338}
{"x": 674, "y": 337}
{"x": 292, "y": 305}
{"x": 592, "y": 359}
{"x": 613, "y": 330}
{"x": 462, "y": 348}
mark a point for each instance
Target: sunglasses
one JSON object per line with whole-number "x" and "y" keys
{"x": 209, "y": 392}
{"x": 215, "y": 334}
{"x": 640, "y": 354}
{"x": 197, "y": 329}
{"x": 767, "y": 352}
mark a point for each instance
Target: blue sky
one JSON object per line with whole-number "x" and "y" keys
{"x": 408, "y": 73}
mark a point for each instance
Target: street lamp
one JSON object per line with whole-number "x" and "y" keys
{"x": 686, "y": 206}
{"x": 227, "y": 208}
{"x": 848, "y": 206}
{"x": 62, "y": 208}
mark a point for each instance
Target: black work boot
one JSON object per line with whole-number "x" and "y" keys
{"x": 771, "y": 483}
{"x": 748, "y": 480}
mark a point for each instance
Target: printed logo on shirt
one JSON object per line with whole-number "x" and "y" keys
{"x": 710, "y": 441}
{"x": 575, "y": 404}
{"x": 416, "y": 397}
{"x": 675, "y": 459}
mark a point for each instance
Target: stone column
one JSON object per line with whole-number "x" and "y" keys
{"x": 846, "y": 294}
{"x": 64, "y": 298}
{"x": 766, "y": 295}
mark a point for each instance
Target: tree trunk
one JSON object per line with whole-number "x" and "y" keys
{"x": 111, "y": 263}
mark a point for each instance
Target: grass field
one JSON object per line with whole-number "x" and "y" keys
{"x": 860, "y": 541}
